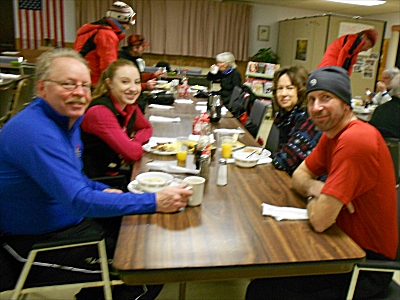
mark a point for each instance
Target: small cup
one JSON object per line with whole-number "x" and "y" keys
{"x": 197, "y": 184}
{"x": 214, "y": 69}
{"x": 226, "y": 146}
{"x": 181, "y": 150}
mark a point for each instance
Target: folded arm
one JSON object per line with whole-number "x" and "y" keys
{"x": 322, "y": 209}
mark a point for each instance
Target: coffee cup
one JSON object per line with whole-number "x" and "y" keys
{"x": 197, "y": 184}
{"x": 214, "y": 69}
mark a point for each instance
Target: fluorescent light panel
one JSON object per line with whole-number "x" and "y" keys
{"x": 360, "y": 2}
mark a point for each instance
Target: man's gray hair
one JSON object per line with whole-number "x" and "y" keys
{"x": 44, "y": 61}
{"x": 395, "y": 91}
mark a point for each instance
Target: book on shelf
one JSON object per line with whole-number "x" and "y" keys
{"x": 262, "y": 68}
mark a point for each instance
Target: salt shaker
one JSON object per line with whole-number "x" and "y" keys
{"x": 222, "y": 172}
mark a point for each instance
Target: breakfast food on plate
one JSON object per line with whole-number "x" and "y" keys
{"x": 171, "y": 147}
{"x": 167, "y": 147}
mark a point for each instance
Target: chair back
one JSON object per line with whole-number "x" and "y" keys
{"x": 23, "y": 95}
{"x": 191, "y": 71}
{"x": 199, "y": 80}
{"x": 257, "y": 116}
{"x": 6, "y": 97}
{"x": 273, "y": 139}
{"x": 394, "y": 148}
{"x": 150, "y": 69}
{"x": 237, "y": 90}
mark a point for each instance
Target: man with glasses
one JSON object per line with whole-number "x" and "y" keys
{"x": 45, "y": 196}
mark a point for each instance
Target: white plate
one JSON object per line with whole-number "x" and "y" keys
{"x": 134, "y": 186}
{"x": 249, "y": 149}
{"x": 158, "y": 152}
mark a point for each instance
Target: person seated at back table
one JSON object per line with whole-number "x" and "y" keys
{"x": 384, "y": 86}
{"x": 114, "y": 128}
{"x": 297, "y": 133}
{"x": 386, "y": 117}
{"x": 45, "y": 196}
{"x": 227, "y": 73}
{"x": 359, "y": 194}
{"x": 134, "y": 52}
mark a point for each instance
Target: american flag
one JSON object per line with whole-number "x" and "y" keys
{"x": 40, "y": 20}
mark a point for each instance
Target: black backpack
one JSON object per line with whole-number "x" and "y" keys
{"x": 243, "y": 103}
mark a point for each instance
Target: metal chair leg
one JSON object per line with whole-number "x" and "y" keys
{"x": 353, "y": 283}
{"x": 23, "y": 275}
{"x": 104, "y": 267}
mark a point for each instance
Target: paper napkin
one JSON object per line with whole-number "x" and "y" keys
{"x": 170, "y": 167}
{"x": 159, "y": 106}
{"x": 284, "y": 213}
{"x": 164, "y": 119}
{"x": 183, "y": 101}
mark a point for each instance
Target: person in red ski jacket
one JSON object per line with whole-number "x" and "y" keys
{"x": 343, "y": 51}
{"x": 98, "y": 42}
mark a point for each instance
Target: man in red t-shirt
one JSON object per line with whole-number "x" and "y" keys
{"x": 359, "y": 194}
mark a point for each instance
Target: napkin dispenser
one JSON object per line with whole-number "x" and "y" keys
{"x": 214, "y": 106}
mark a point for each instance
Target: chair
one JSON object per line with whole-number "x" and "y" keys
{"x": 273, "y": 139}
{"x": 394, "y": 147}
{"x": 191, "y": 71}
{"x": 23, "y": 95}
{"x": 115, "y": 182}
{"x": 150, "y": 69}
{"x": 237, "y": 90}
{"x": 6, "y": 97}
{"x": 199, "y": 80}
{"x": 380, "y": 266}
{"x": 41, "y": 247}
{"x": 257, "y": 116}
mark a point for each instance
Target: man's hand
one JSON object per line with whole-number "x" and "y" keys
{"x": 151, "y": 84}
{"x": 380, "y": 87}
{"x": 158, "y": 73}
{"x": 172, "y": 198}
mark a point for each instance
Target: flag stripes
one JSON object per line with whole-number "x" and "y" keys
{"x": 40, "y": 20}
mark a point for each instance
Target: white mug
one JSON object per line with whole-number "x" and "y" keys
{"x": 214, "y": 69}
{"x": 197, "y": 184}
{"x": 141, "y": 64}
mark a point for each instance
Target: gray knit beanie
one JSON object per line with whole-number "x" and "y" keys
{"x": 331, "y": 79}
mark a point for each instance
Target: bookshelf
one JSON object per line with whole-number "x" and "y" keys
{"x": 259, "y": 77}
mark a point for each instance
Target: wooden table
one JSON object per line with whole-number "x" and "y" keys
{"x": 227, "y": 237}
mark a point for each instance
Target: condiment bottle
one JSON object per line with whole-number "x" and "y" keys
{"x": 222, "y": 172}
{"x": 205, "y": 161}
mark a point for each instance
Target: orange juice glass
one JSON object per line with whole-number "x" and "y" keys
{"x": 226, "y": 147}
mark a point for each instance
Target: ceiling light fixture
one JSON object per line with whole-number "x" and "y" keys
{"x": 361, "y": 2}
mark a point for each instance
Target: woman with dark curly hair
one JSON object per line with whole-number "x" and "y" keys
{"x": 297, "y": 133}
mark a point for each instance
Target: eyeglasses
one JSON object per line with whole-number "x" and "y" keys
{"x": 71, "y": 85}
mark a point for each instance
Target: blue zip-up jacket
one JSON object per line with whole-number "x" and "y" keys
{"x": 42, "y": 186}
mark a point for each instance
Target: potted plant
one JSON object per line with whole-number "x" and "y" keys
{"x": 266, "y": 55}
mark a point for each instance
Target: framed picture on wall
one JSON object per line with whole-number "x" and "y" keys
{"x": 301, "y": 49}
{"x": 263, "y": 33}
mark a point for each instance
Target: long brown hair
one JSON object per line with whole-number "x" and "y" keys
{"x": 102, "y": 88}
{"x": 298, "y": 75}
